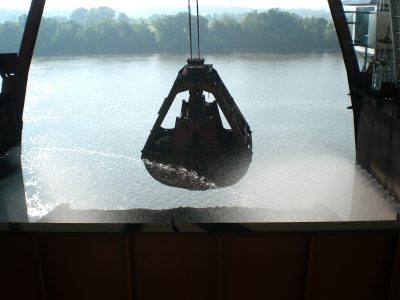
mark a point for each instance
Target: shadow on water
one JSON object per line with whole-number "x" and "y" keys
{"x": 12, "y": 192}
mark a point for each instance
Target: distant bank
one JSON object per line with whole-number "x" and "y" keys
{"x": 104, "y": 31}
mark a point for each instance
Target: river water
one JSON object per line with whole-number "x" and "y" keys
{"x": 87, "y": 119}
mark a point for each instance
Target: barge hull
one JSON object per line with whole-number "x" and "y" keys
{"x": 378, "y": 141}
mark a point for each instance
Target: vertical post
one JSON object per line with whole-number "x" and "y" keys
{"x": 395, "y": 24}
{"x": 365, "y": 54}
{"x": 198, "y": 29}
{"x": 350, "y": 58}
{"x": 190, "y": 29}
{"x": 25, "y": 56}
{"x": 346, "y": 42}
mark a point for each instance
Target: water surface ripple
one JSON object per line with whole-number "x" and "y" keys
{"x": 87, "y": 119}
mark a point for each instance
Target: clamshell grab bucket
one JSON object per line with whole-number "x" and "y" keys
{"x": 199, "y": 153}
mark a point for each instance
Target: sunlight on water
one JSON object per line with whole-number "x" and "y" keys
{"x": 87, "y": 119}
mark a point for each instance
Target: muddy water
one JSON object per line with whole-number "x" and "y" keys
{"x": 87, "y": 119}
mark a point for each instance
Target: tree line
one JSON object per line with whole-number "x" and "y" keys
{"x": 103, "y": 31}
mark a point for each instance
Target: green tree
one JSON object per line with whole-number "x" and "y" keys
{"x": 80, "y": 16}
{"x": 123, "y": 18}
{"x": 10, "y": 37}
{"x": 99, "y": 14}
{"x": 330, "y": 36}
{"x": 101, "y": 31}
{"x": 314, "y": 29}
{"x": 145, "y": 38}
{"x": 102, "y": 37}
{"x": 226, "y": 33}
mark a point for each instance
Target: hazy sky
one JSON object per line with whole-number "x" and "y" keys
{"x": 148, "y": 4}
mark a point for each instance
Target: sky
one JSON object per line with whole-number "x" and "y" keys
{"x": 122, "y": 5}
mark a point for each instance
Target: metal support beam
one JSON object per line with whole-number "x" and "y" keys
{"x": 25, "y": 56}
{"x": 346, "y": 42}
{"x": 355, "y": 77}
